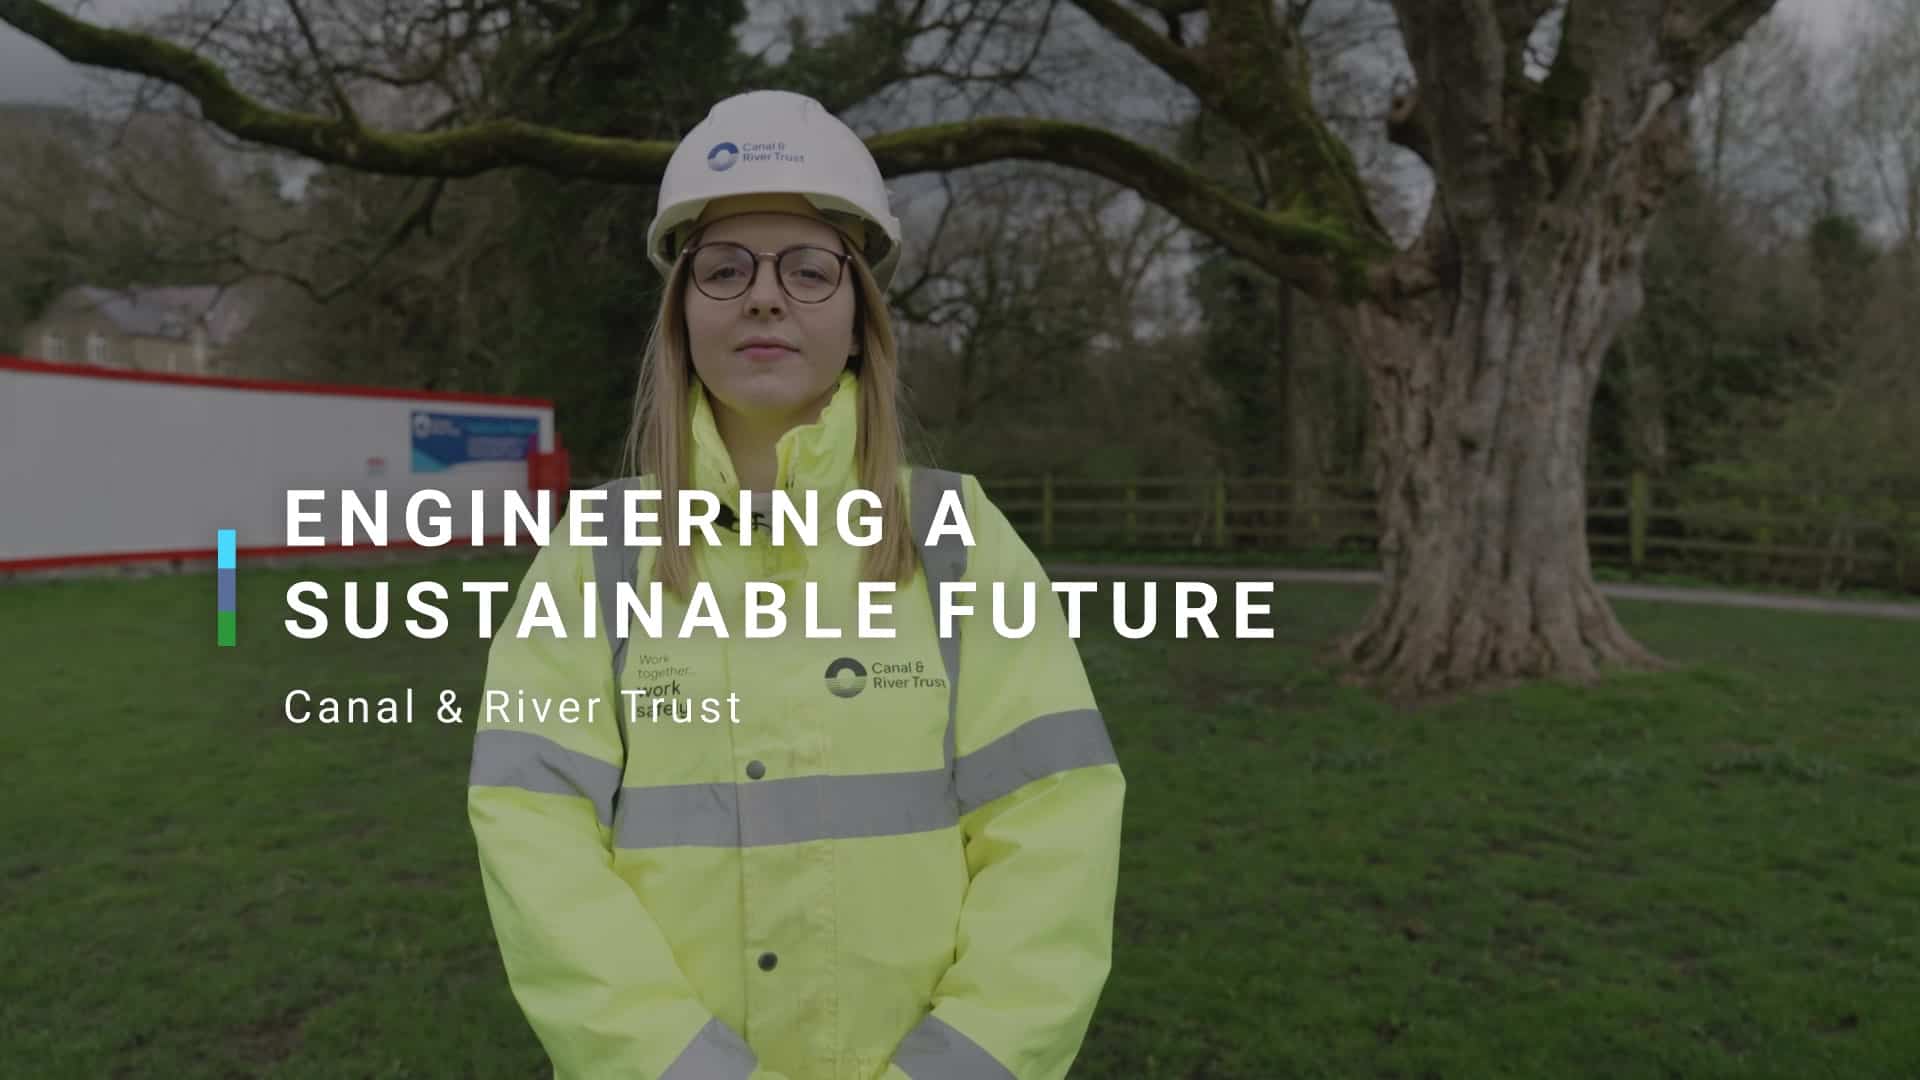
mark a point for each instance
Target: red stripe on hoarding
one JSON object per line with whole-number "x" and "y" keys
{"x": 87, "y": 371}
{"x": 51, "y": 562}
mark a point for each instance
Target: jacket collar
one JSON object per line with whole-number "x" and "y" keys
{"x": 818, "y": 456}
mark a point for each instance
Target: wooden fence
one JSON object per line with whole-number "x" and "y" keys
{"x": 1632, "y": 524}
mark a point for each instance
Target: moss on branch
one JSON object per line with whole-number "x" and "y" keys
{"x": 462, "y": 152}
{"x": 1307, "y": 244}
{"x": 1318, "y": 252}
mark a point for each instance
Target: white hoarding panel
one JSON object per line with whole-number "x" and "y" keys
{"x": 102, "y": 466}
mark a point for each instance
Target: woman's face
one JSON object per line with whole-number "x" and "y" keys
{"x": 764, "y": 356}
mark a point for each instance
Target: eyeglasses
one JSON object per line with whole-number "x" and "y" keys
{"x": 725, "y": 271}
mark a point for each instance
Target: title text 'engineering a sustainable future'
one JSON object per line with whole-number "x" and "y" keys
{"x": 426, "y": 521}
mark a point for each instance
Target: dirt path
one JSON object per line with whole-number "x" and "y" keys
{"x": 1618, "y": 590}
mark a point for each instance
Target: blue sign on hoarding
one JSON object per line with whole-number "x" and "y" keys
{"x": 443, "y": 440}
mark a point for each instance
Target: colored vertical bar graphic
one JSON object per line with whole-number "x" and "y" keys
{"x": 224, "y": 568}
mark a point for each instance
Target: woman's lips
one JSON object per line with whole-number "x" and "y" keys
{"x": 765, "y": 352}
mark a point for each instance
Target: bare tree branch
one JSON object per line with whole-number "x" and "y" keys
{"x": 1517, "y": 18}
{"x": 1310, "y": 248}
{"x": 1457, "y": 45}
{"x": 1179, "y": 63}
{"x": 1314, "y": 252}
{"x": 457, "y": 153}
{"x": 903, "y": 294}
{"x": 143, "y": 95}
{"x": 869, "y": 54}
{"x": 419, "y": 218}
{"x": 1274, "y": 107}
{"x": 1489, "y": 128}
{"x": 322, "y": 66}
{"x": 872, "y": 48}
{"x": 1407, "y": 124}
{"x": 1697, "y": 32}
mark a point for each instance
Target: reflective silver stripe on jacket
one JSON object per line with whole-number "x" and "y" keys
{"x": 1035, "y": 750}
{"x": 797, "y": 809}
{"x": 788, "y": 811}
{"x": 716, "y": 1053}
{"x": 936, "y": 1050}
{"x": 503, "y": 757}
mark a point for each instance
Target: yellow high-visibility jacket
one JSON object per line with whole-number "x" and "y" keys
{"x": 866, "y": 876}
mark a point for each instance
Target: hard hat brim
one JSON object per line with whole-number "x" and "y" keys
{"x": 880, "y": 251}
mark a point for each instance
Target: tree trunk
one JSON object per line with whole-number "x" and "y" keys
{"x": 1296, "y": 428}
{"x": 1481, "y": 405}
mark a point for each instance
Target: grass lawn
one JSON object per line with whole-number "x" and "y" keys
{"x": 1710, "y": 873}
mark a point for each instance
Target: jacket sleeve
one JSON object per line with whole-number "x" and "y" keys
{"x": 1040, "y": 800}
{"x": 589, "y": 967}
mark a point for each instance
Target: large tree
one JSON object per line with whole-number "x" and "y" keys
{"x": 1552, "y": 129}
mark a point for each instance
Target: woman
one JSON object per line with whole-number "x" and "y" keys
{"x": 890, "y": 857}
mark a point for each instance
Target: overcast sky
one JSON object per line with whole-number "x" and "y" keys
{"x": 29, "y": 71}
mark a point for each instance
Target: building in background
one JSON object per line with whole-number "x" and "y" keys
{"x": 179, "y": 330}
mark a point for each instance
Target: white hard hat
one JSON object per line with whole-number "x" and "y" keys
{"x": 775, "y": 142}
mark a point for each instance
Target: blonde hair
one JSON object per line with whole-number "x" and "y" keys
{"x": 659, "y": 439}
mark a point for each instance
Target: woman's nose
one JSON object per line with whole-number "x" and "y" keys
{"x": 764, "y": 295}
